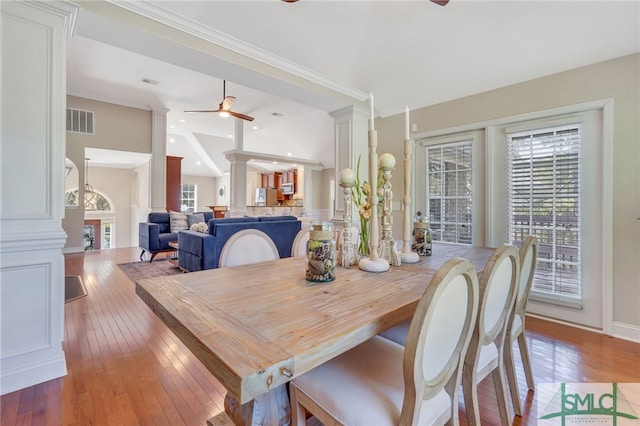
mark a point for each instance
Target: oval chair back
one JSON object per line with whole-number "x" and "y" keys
{"x": 516, "y": 326}
{"x": 248, "y": 246}
{"x": 498, "y": 287}
{"x": 299, "y": 246}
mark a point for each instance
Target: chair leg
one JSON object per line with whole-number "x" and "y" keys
{"x": 152, "y": 256}
{"x": 470, "y": 392}
{"x": 298, "y": 413}
{"x": 499, "y": 384}
{"x": 512, "y": 378}
{"x": 526, "y": 360}
{"x": 142, "y": 254}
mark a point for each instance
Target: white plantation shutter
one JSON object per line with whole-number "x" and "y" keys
{"x": 544, "y": 200}
{"x": 450, "y": 195}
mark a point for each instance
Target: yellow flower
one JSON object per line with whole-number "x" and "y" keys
{"x": 365, "y": 211}
{"x": 366, "y": 188}
{"x": 361, "y": 194}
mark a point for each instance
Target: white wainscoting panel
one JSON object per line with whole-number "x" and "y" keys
{"x": 32, "y": 156}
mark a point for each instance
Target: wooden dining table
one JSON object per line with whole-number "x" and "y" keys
{"x": 257, "y": 326}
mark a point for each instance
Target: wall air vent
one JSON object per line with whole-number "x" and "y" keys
{"x": 79, "y": 121}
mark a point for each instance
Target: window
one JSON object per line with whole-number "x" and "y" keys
{"x": 188, "y": 200}
{"x": 108, "y": 232}
{"x": 93, "y": 201}
{"x": 449, "y": 186}
{"x": 544, "y": 200}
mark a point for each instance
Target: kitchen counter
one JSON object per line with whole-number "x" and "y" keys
{"x": 274, "y": 210}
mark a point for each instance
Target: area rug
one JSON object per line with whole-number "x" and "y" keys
{"x": 142, "y": 270}
{"x": 73, "y": 288}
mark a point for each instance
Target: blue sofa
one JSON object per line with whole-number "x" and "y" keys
{"x": 155, "y": 234}
{"x": 199, "y": 251}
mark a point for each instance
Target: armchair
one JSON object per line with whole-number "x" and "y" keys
{"x": 155, "y": 234}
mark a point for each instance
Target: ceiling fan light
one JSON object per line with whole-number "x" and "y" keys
{"x": 223, "y": 114}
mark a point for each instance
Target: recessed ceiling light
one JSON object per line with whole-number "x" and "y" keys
{"x": 289, "y": 154}
{"x": 275, "y": 162}
{"x": 149, "y": 81}
{"x": 277, "y": 114}
{"x": 231, "y": 136}
{"x": 172, "y": 140}
{"x": 255, "y": 127}
{"x": 198, "y": 163}
{"x": 172, "y": 127}
{"x": 183, "y": 121}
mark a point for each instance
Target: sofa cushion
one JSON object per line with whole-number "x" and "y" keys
{"x": 160, "y": 218}
{"x": 194, "y": 218}
{"x": 276, "y": 218}
{"x": 166, "y": 238}
{"x": 226, "y": 220}
{"x": 178, "y": 221}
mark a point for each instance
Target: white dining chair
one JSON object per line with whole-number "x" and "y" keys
{"x": 299, "y": 246}
{"x": 248, "y": 246}
{"x": 516, "y": 325}
{"x": 380, "y": 382}
{"x": 498, "y": 287}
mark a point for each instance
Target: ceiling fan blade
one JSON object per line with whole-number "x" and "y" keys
{"x": 225, "y": 106}
{"x": 441, "y": 2}
{"x": 242, "y": 116}
{"x": 227, "y": 102}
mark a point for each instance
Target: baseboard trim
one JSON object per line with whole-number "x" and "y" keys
{"x": 626, "y": 331}
{"x": 67, "y": 250}
{"x": 620, "y": 330}
{"x": 11, "y": 381}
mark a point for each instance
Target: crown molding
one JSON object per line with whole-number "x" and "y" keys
{"x": 238, "y": 46}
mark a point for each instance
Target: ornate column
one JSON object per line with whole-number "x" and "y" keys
{"x": 374, "y": 263}
{"x": 347, "y": 249}
{"x": 387, "y": 246}
{"x": 32, "y": 170}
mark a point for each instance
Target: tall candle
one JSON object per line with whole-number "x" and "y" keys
{"x": 406, "y": 123}
{"x": 371, "y": 106}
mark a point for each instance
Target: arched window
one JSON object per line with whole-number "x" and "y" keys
{"x": 93, "y": 201}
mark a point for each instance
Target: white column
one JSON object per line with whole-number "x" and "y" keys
{"x": 238, "y": 182}
{"x": 32, "y": 156}
{"x": 158, "y": 162}
{"x": 238, "y": 172}
{"x": 351, "y": 125}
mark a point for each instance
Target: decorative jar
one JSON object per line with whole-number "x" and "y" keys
{"x": 421, "y": 235}
{"x": 321, "y": 253}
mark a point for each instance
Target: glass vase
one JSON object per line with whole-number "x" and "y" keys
{"x": 321, "y": 253}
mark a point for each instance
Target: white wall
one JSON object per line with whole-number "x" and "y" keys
{"x": 206, "y": 191}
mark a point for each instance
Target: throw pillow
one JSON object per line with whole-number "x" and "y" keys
{"x": 199, "y": 227}
{"x": 194, "y": 218}
{"x": 178, "y": 221}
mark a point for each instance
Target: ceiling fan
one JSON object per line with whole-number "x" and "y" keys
{"x": 224, "y": 110}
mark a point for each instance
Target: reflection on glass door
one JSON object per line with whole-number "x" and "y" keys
{"x": 91, "y": 235}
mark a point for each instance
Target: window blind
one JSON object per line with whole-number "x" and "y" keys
{"x": 544, "y": 200}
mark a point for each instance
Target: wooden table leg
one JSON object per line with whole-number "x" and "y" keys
{"x": 272, "y": 408}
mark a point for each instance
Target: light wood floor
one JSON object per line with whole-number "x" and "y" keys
{"x": 126, "y": 368}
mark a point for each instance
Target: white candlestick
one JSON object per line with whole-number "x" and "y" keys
{"x": 371, "y": 127}
{"x": 406, "y": 123}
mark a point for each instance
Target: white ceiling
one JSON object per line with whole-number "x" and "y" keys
{"x": 306, "y": 59}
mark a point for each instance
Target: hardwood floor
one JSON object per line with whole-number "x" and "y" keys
{"x": 126, "y": 368}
